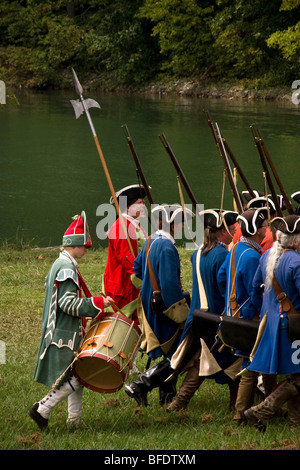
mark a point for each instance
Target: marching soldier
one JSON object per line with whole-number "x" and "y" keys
{"x": 119, "y": 280}
{"x": 235, "y": 278}
{"x": 163, "y": 308}
{"x": 277, "y": 351}
{"x": 219, "y": 228}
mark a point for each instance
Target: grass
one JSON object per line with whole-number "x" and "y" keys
{"x": 113, "y": 421}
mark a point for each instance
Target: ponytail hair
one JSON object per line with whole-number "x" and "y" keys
{"x": 284, "y": 242}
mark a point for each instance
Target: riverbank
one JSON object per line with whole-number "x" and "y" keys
{"x": 233, "y": 91}
{"x": 194, "y": 88}
{"x": 239, "y": 90}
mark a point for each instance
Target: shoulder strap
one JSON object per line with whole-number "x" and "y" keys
{"x": 284, "y": 302}
{"x": 202, "y": 294}
{"x": 152, "y": 277}
{"x": 233, "y": 302}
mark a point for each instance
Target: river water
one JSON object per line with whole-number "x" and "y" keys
{"x": 51, "y": 170}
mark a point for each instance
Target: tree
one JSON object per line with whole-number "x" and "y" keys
{"x": 288, "y": 40}
{"x": 118, "y": 40}
{"x": 37, "y": 39}
{"x": 183, "y": 31}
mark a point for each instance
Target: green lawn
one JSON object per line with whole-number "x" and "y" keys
{"x": 113, "y": 421}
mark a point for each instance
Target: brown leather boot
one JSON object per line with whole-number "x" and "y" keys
{"x": 260, "y": 414}
{"x": 293, "y": 406}
{"x": 233, "y": 390}
{"x": 190, "y": 385}
{"x": 270, "y": 383}
{"x": 245, "y": 395}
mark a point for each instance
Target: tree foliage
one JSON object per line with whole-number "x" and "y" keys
{"x": 137, "y": 41}
{"x": 288, "y": 40}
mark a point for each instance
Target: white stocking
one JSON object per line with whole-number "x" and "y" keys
{"x": 74, "y": 405}
{"x": 52, "y": 399}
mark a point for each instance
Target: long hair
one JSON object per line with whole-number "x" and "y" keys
{"x": 210, "y": 239}
{"x": 284, "y": 242}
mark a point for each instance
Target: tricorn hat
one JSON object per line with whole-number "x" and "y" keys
{"x": 171, "y": 213}
{"x": 214, "y": 218}
{"x": 251, "y": 220}
{"x": 289, "y": 224}
{"x": 248, "y": 196}
{"x": 132, "y": 193}
{"x": 262, "y": 201}
{"x": 296, "y": 197}
{"x": 78, "y": 232}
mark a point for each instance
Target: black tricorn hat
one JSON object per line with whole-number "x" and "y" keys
{"x": 251, "y": 220}
{"x": 169, "y": 213}
{"x": 296, "y": 197}
{"x": 289, "y": 224}
{"x": 248, "y": 196}
{"x": 261, "y": 201}
{"x": 132, "y": 192}
{"x": 216, "y": 219}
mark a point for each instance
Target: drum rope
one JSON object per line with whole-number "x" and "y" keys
{"x": 133, "y": 353}
{"x": 54, "y": 386}
{"x": 123, "y": 344}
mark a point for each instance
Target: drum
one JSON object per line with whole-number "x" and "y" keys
{"x": 106, "y": 353}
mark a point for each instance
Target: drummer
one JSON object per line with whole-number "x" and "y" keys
{"x": 62, "y": 326}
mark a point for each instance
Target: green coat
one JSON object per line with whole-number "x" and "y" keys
{"x": 62, "y": 317}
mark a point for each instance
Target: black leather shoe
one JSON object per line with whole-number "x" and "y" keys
{"x": 35, "y": 415}
{"x": 166, "y": 393}
{"x": 136, "y": 391}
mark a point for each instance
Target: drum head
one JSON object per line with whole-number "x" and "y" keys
{"x": 97, "y": 374}
{"x": 106, "y": 354}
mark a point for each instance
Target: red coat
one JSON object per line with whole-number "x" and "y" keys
{"x": 119, "y": 267}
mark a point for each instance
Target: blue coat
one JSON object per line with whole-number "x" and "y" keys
{"x": 275, "y": 353}
{"x": 165, "y": 262}
{"x": 246, "y": 262}
{"x": 209, "y": 267}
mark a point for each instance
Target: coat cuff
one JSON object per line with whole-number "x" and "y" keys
{"x": 98, "y": 303}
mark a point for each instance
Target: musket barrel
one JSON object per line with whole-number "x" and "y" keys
{"x": 265, "y": 169}
{"x": 276, "y": 176}
{"x": 183, "y": 179}
{"x": 138, "y": 165}
{"x": 228, "y": 149}
{"x": 222, "y": 150}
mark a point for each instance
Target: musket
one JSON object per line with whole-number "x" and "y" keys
{"x": 268, "y": 208}
{"x": 222, "y": 150}
{"x": 276, "y": 176}
{"x": 266, "y": 170}
{"x": 231, "y": 155}
{"x": 180, "y": 173}
{"x": 138, "y": 165}
{"x": 82, "y": 106}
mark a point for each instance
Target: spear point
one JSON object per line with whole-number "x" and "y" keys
{"x": 81, "y": 105}
{"x": 78, "y": 87}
